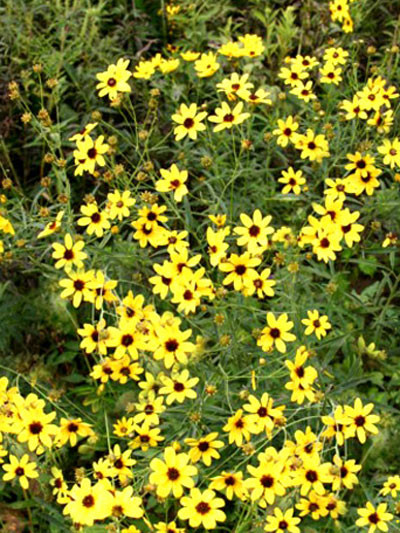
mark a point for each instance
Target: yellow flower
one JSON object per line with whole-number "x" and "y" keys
{"x": 146, "y": 437}
{"x": 95, "y": 338}
{"x": 34, "y": 427}
{"x": 207, "y": 65}
{"x": 235, "y": 85}
{"x": 149, "y": 409}
{"x": 71, "y": 429}
{"x": 238, "y": 428}
{"x": 189, "y": 55}
{"x": 286, "y": 131}
{"x": 189, "y": 121}
{"x": 114, "y": 79}
{"x": 172, "y": 474}
{"x": 225, "y": 117}
{"x": 374, "y": 518}
{"x": 202, "y": 508}
{"x": 254, "y": 232}
{"x": 118, "y": 204}
{"x": 173, "y": 180}
{"x": 121, "y": 463}
{"x": 173, "y": 346}
{"x": 391, "y": 152}
{"x": 84, "y": 131}
{"x": 89, "y": 502}
{"x": 330, "y": 74}
{"x": 293, "y": 181}
{"x": 218, "y": 220}
{"x": 69, "y": 254}
{"x": 95, "y": 220}
{"x": 343, "y": 473}
{"x": 179, "y": 387}
{"x": 240, "y": 269}
{"x": 276, "y": 333}
{"x": 170, "y": 527}
{"x": 52, "y": 227}
{"x": 21, "y": 469}
{"x": 261, "y": 285}
{"x": 231, "y": 483}
{"x": 205, "y": 448}
{"x": 89, "y": 153}
{"x": 316, "y": 323}
{"x": 359, "y": 421}
{"x": 125, "y": 504}
{"x": 391, "y": 486}
{"x": 79, "y": 286}
{"x": 282, "y": 522}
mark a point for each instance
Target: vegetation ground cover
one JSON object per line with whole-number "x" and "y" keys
{"x": 199, "y": 271}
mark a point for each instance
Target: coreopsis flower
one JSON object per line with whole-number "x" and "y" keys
{"x": 231, "y": 49}
{"x": 177, "y": 241}
{"x": 189, "y": 120}
{"x": 71, "y": 429}
{"x": 238, "y": 428}
{"x": 173, "y": 180}
{"x": 144, "y": 70}
{"x": 260, "y": 96}
{"x": 312, "y": 146}
{"x": 304, "y": 91}
{"x": 178, "y": 387}
{"x": 52, "y": 227}
{"x": 189, "y": 55}
{"x": 391, "y": 486}
{"x": 348, "y": 226}
{"x": 335, "y": 425}
{"x": 218, "y": 220}
{"x": 336, "y": 189}
{"x": 267, "y": 481}
{"x": 169, "y": 65}
{"x": 89, "y": 502}
{"x": 60, "y": 487}
{"x": 390, "y": 240}
{"x": 123, "y": 369}
{"x": 21, "y": 469}
{"x": 254, "y": 232}
{"x": 293, "y": 75}
{"x": 96, "y": 221}
{"x": 69, "y": 254}
{"x": 79, "y": 286}
{"x": 172, "y": 474}
{"x": 226, "y": 118}
{"x": 124, "y": 427}
{"x": 374, "y": 518}
{"x": 316, "y": 323}
{"x": 240, "y": 270}
{"x": 119, "y": 204}
{"x": 35, "y": 427}
{"x": 207, "y": 65}
{"x": 314, "y": 504}
{"x": 282, "y": 522}
{"x": 114, "y": 80}
{"x": 293, "y": 180}
{"x": 126, "y": 504}
{"x": 83, "y": 132}
{"x": 149, "y": 409}
{"x": 252, "y": 45}
{"x": 173, "y": 346}
{"x": 262, "y": 285}
{"x": 391, "y": 152}
{"x": 231, "y": 483}
{"x": 95, "y": 337}
{"x": 146, "y": 437}
{"x": 344, "y": 473}
{"x": 217, "y": 247}
{"x": 261, "y": 413}
{"x": 121, "y": 463}
{"x": 276, "y": 333}
{"x": 354, "y": 109}
{"x": 359, "y": 421}
{"x": 204, "y": 448}
{"x": 330, "y": 74}
{"x": 312, "y": 475}
{"x": 202, "y": 508}
{"x": 336, "y": 56}
{"x": 89, "y": 153}
{"x": 234, "y": 86}
{"x": 170, "y": 527}
{"x": 286, "y": 131}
